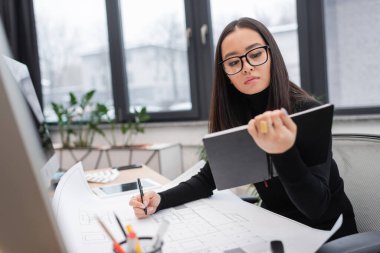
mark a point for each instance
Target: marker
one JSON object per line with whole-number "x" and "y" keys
{"x": 157, "y": 239}
{"x": 277, "y": 246}
{"x": 133, "y": 243}
{"x": 141, "y": 194}
{"x": 129, "y": 228}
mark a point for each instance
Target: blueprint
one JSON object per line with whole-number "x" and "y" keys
{"x": 221, "y": 223}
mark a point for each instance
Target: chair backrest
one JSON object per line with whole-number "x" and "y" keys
{"x": 358, "y": 159}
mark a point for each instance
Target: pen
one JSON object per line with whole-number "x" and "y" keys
{"x": 116, "y": 245}
{"x": 121, "y": 226}
{"x": 141, "y": 193}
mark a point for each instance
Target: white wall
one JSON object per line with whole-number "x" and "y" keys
{"x": 189, "y": 134}
{"x": 366, "y": 124}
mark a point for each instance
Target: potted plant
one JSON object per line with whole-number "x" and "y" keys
{"x": 129, "y": 130}
{"x": 79, "y": 120}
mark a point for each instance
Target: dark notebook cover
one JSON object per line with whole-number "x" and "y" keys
{"x": 236, "y": 160}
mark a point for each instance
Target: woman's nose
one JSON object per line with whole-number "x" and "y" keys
{"x": 246, "y": 66}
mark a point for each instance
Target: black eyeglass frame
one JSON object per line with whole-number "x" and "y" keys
{"x": 245, "y": 56}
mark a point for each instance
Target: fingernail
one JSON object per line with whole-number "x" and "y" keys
{"x": 284, "y": 111}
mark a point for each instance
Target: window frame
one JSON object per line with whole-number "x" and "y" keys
{"x": 199, "y": 64}
{"x": 312, "y": 53}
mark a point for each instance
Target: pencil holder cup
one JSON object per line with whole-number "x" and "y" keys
{"x": 146, "y": 245}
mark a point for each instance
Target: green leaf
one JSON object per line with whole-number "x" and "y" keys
{"x": 57, "y": 110}
{"x": 97, "y": 130}
{"x": 124, "y": 128}
{"x": 142, "y": 115}
{"x": 73, "y": 99}
{"x": 101, "y": 108}
{"x": 61, "y": 113}
{"x": 71, "y": 131}
{"x": 85, "y": 100}
{"x": 144, "y": 118}
{"x": 55, "y": 107}
{"x": 139, "y": 129}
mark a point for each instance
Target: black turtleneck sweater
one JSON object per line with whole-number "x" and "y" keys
{"x": 312, "y": 195}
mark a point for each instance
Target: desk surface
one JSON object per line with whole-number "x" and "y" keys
{"x": 132, "y": 175}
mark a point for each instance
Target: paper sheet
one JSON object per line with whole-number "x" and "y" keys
{"x": 217, "y": 224}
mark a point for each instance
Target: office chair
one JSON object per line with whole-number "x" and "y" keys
{"x": 358, "y": 159}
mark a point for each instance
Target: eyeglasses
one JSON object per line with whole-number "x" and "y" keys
{"x": 255, "y": 57}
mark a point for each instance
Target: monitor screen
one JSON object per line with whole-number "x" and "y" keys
{"x": 22, "y": 77}
{"x": 26, "y": 217}
{"x": 21, "y": 74}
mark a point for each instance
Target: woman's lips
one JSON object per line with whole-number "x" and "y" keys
{"x": 252, "y": 79}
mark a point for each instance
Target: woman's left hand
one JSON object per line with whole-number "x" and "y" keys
{"x": 279, "y": 133}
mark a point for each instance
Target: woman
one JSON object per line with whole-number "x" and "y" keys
{"x": 250, "y": 85}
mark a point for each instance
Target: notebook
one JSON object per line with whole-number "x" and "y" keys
{"x": 236, "y": 160}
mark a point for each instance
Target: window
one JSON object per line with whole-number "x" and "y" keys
{"x": 159, "y": 54}
{"x": 73, "y": 50}
{"x": 352, "y": 52}
{"x": 156, "y": 55}
{"x": 279, "y": 16}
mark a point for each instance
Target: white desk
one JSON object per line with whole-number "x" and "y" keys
{"x": 164, "y": 158}
{"x": 133, "y": 174}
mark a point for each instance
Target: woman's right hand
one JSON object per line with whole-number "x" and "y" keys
{"x": 151, "y": 200}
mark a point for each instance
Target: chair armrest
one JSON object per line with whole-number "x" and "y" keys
{"x": 366, "y": 242}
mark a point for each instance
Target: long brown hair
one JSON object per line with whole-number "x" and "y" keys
{"x": 227, "y": 109}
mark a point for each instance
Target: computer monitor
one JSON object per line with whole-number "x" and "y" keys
{"x": 21, "y": 75}
{"x": 27, "y": 223}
